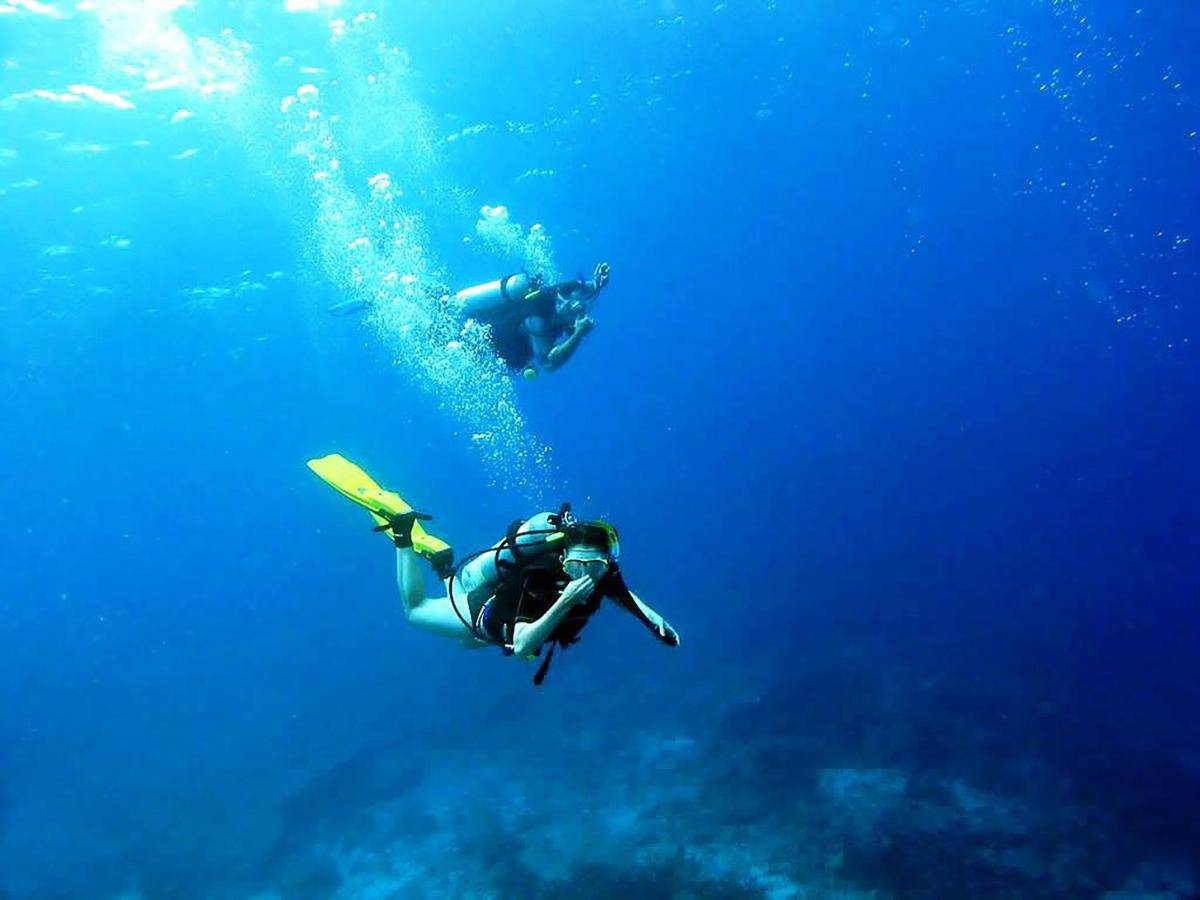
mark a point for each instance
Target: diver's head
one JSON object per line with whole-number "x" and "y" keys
{"x": 592, "y": 549}
{"x": 574, "y": 300}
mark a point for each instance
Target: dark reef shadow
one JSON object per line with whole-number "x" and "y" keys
{"x": 339, "y": 805}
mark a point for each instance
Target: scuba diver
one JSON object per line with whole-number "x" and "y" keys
{"x": 534, "y": 325}
{"x": 537, "y": 586}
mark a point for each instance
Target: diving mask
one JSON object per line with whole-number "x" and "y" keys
{"x": 578, "y": 566}
{"x": 593, "y": 547}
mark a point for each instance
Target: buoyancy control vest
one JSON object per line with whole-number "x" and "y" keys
{"x": 536, "y": 542}
{"x": 518, "y": 579}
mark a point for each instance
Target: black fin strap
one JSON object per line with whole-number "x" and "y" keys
{"x": 407, "y": 518}
{"x": 540, "y": 676}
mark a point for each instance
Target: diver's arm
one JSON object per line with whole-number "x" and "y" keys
{"x": 661, "y": 627}
{"x": 656, "y": 623}
{"x": 643, "y": 612}
{"x": 539, "y": 331}
{"x": 528, "y": 637}
{"x": 565, "y": 349}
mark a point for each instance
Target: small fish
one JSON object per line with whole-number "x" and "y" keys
{"x": 347, "y": 307}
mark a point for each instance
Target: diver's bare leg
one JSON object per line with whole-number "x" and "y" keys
{"x": 433, "y": 614}
{"x": 410, "y": 578}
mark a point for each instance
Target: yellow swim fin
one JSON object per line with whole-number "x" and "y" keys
{"x": 354, "y": 484}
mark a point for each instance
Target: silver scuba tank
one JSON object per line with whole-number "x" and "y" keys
{"x": 495, "y": 299}
{"x": 537, "y": 540}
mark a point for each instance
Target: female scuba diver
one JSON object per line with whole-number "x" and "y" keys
{"x": 534, "y": 325}
{"x": 538, "y": 585}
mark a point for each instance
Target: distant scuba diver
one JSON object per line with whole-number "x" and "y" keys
{"x": 537, "y": 586}
{"x": 534, "y": 325}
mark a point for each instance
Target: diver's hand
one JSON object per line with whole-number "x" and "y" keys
{"x": 578, "y": 591}
{"x": 583, "y": 325}
{"x": 662, "y": 629}
{"x": 666, "y": 633}
{"x": 601, "y": 275}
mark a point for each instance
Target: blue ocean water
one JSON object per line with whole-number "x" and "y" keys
{"x": 893, "y": 397}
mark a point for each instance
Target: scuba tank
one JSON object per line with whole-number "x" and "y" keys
{"x": 495, "y": 299}
{"x": 533, "y": 542}
{"x": 526, "y": 565}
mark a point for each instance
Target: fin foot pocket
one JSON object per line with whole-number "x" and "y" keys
{"x": 400, "y": 526}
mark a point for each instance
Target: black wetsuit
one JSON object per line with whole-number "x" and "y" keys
{"x": 513, "y": 340}
{"x": 528, "y": 598}
{"x": 514, "y": 344}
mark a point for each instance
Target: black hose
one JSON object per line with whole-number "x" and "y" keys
{"x": 471, "y": 557}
